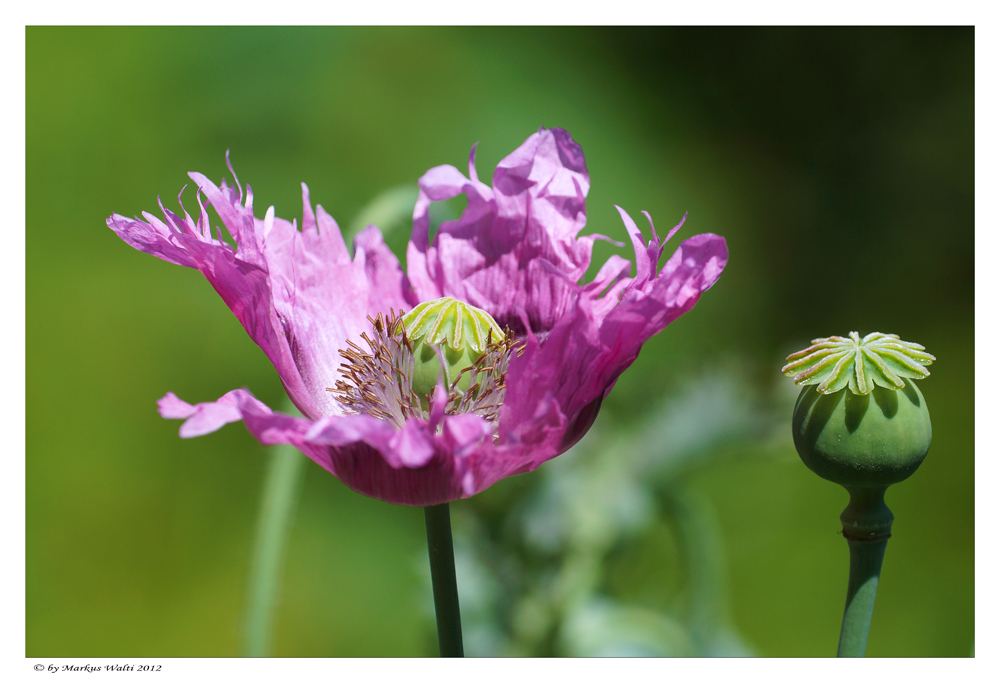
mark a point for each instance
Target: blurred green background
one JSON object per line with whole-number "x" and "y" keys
{"x": 838, "y": 164}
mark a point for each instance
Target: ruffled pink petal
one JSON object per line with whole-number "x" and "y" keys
{"x": 492, "y": 257}
{"x": 202, "y": 418}
{"x": 297, "y": 293}
{"x": 410, "y": 466}
{"x": 461, "y": 434}
{"x": 588, "y": 349}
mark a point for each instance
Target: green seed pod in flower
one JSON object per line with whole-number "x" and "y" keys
{"x": 860, "y": 421}
{"x": 459, "y": 331}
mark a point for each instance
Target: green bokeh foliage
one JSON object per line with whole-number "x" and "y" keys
{"x": 838, "y": 164}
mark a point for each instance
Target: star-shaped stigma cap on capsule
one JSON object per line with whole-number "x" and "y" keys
{"x": 860, "y": 364}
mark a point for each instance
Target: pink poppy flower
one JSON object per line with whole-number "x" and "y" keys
{"x": 513, "y": 253}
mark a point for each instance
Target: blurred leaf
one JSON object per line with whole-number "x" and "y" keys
{"x": 390, "y": 211}
{"x": 600, "y": 628}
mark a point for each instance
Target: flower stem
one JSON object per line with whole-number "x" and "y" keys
{"x": 442, "y": 557}
{"x": 277, "y": 508}
{"x": 867, "y": 523}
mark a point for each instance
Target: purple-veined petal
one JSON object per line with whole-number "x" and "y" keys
{"x": 411, "y": 466}
{"x": 491, "y": 256}
{"x": 297, "y": 293}
{"x": 203, "y": 418}
{"x": 583, "y": 355}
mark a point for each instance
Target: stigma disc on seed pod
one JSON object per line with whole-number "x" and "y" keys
{"x": 459, "y": 331}
{"x": 860, "y": 364}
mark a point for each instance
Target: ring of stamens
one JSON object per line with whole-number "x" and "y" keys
{"x": 378, "y": 382}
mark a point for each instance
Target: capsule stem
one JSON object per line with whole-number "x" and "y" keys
{"x": 867, "y": 517}
{"x": 866, "y": 564}
{"x": 867, "y": 525}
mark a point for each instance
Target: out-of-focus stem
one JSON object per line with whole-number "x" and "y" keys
{"x": 701, "y": 545}
{"x": 281, "y": 489}
{"x": 442, "y": 558}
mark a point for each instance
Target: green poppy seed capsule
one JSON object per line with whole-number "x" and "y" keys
{"x": 461, "y": 332}
{"x": 860, "y": 421}
{"x": 869, "y": 440}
